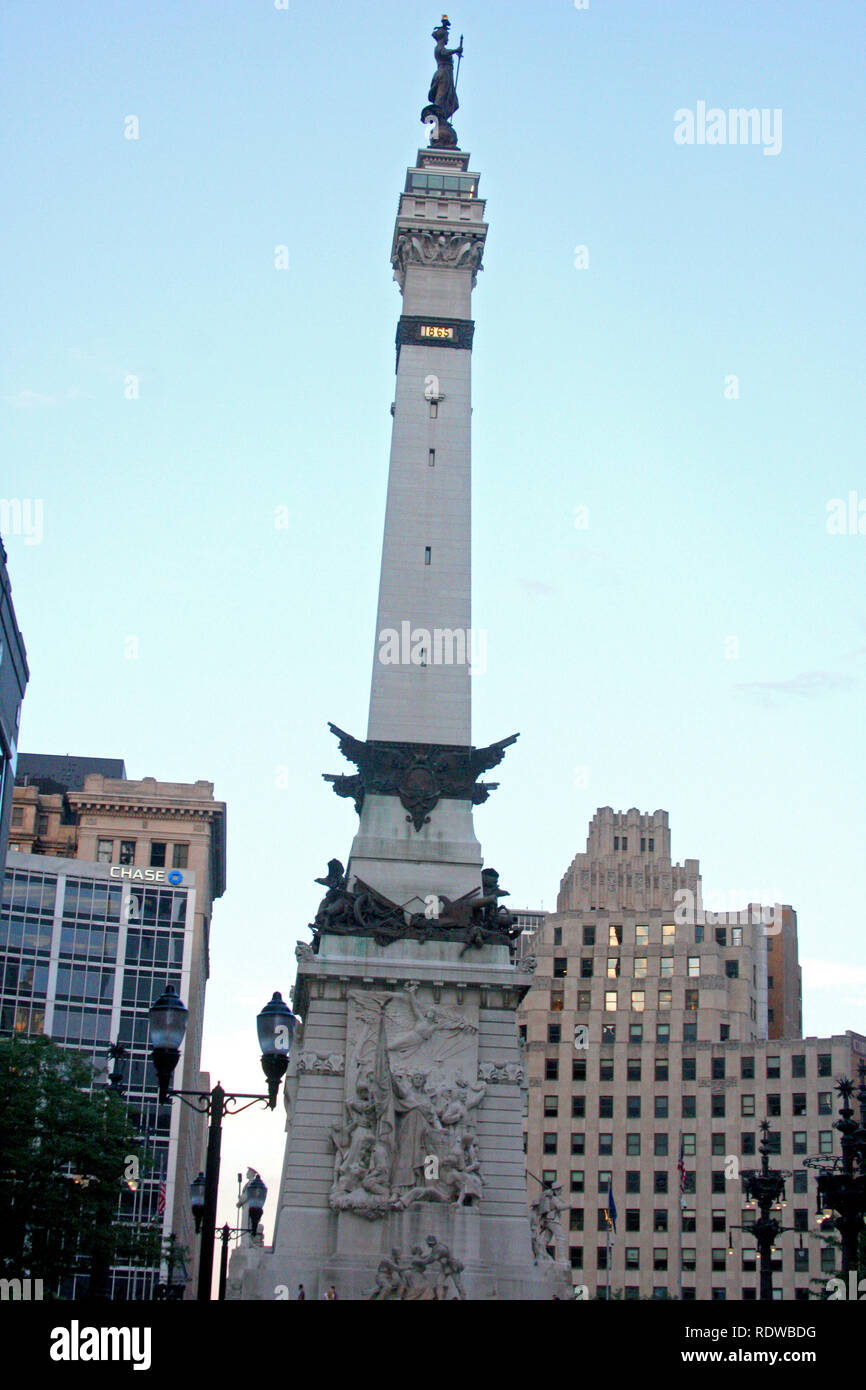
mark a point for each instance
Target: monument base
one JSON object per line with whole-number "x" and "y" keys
{"x": 404, "y": 1175}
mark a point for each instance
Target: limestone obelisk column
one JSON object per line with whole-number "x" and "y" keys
{"x": 404, "y": 1174}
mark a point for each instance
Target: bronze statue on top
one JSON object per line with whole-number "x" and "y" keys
{"x": 443, "y": 90}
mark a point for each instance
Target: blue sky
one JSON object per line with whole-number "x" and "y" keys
{"x": 602, "y": 387}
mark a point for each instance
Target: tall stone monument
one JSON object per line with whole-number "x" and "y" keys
{"x": 404, "y": 1175}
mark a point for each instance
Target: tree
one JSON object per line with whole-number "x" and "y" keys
{"x": 64, "y": 1149}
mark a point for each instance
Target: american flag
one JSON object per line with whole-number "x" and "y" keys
{"x": 160, "y": 1201}
{"x": 681, "y": 1166}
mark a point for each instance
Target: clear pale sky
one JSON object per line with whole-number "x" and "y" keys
{"x": 605, "y": 387}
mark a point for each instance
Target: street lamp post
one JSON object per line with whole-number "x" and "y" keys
{"x": 842, "y": 1182}
{"x": 276, "y": 1027}
{"x": 766, "y": 1188}
{"x": 257, "y": 1194}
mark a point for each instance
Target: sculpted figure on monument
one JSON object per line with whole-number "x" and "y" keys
{"x": 545, "y": 1225}
{"x": 407, "y": 1135}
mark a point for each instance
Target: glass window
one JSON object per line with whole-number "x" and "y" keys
{"x": 663, "y": 1032}
{"x": 635, "y": 1032}
{"x": 157, "y": 854}
{"x": 633, "y": 1069}
{"x": 180, "y": 856}
{"x": 800, "y": 1141}
{"x": 632, "y": 1219}
{"x": 641, "y": 935}
{"x": 689, "y": 1068}
{"x": 610, "y": 1001}
{"x": 632, "y": 1145}
{"x": 798, "y": 1064}
{"x": 551, "y": 1068}
{"x": 665, "y": 997}
{"x": 578, "y": 1144}
{"x": 604, "y": 1180}
{"x": 557, "y": 936}
{"x": 798, "y": 1103}
{"x": 694, "y": 966}
{"x": 661, "y": 1107}
{"x": 640, "y": 967}
{"x": 774, "y": 1105}
{"x": 660, "y": 1145}
{"x": 613, "y": 967}
{"x": 825, "y": 1102}
{"x": 736, "y": 936}
{"x": 825, "y": 1141}
{"x": 637, "y": 1001}
{"x": 732, "y": 969}
{"x": 825, "y": 1064}
{"x": 747, "y": 1105}
{"x": 578, "y": 1107}
{"x": 605, "y": 1107}
{"x": 669, "y": 932}
{"x": 554, "y": 1033}
{"x": 689, "y": 1104}
{"x": 104, "y": 851}
{"x": 660, "y": 1219}
{"x": 661, "y": 1069}
{"x": 550, "y": 1143}
{"x": 688, "y": 1145}
{"x": 632, "y": 1180}
{"x": 773, "y": 1068}
{"x": 127, "y": 851}
{"x": 605, "y": 1143}
{"x": 584, "y": 1000}
{"x": 747, "y": 1068}
{"x": 666, "y": 966}
{"x": 586, "y": 967}
{"x": 632, "y": 1107}
{"x": 551, "y": 1106}
{"x": 578, "y": 1069}
{"x": 614, "y": 936}
{"x": 691, "y": 999}
{"x": 605, "y": 1069}
{"x": 717, "y": 1148}
{"x": 576, "y": 1180}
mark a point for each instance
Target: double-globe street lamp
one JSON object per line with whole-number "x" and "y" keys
{"x": 842, "y": 1181}
{"x": 765, "y": 1189}
{"x": 276, "y": 1028}
{"x": 256, "y": 1194}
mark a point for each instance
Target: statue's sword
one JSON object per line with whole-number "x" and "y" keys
{"x": 459, "y": 61}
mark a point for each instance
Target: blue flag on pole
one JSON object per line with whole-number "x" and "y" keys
{"x": 611, "y": 1205}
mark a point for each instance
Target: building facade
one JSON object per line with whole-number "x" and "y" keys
{"x": 14, "y": 675}
{"x": 91, "y": 935}
{"x": 647, "y": 1025}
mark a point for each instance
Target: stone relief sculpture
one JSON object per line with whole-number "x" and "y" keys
{"x": 454, "y": 250}
{"x": 407, "y": 1136}
{"x": 327, "y": 1064}
{"x": 428, "y": 1275}
{"x": 546, "y": 1227}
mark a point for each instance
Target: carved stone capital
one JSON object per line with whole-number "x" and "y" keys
{"x": 443, "y": 249}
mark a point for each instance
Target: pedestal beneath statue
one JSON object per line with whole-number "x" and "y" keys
{"x": 404, "y": 1175}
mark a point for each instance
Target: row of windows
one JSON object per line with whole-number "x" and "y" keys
{"x": 660, "y": 1180}
{"x": 26, "y": 977}
{"x": 34, "y": 892}
{"x": 156, "y": 855}
{"x": 688, "y": 1067}
{"x": 640, "y": 967}
{"x": 22, "y": 1018}
{"x": 771, "y": 1106}
{"x": 636, "y": 1032}
{"x": 91, "y": 899}
{"x": 72, "y": 1026}
{"x": 589, "y": 935}
{"x": 154, "y": 948}
{"x": 718, "y": 1262}
{"x": 89, "y": 943}
{"x": 140, "y": 989}
{"x": 719, "y": 1220}
{"x": 25, "y": 934}
{"x": 719, "y": 1141}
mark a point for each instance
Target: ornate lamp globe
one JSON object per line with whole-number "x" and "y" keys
{"x": 276, "y": 1028}
{"x": 257, "y": 1194}
{"x": 168, "y": 1015}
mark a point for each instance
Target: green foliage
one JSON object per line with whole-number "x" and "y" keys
{"x": 53, "y": 1127}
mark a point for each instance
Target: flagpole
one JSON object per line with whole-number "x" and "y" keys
{"x": 681, "y": 1204}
